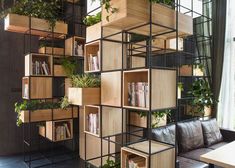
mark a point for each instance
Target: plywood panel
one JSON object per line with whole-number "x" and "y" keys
{"x": 111, "y": 88}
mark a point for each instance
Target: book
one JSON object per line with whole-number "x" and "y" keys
{"x": 44, "y": 68}
{"x": 67, "y": 130}
{"x": 57, "y": 133}
{"x": 146, "y": 91}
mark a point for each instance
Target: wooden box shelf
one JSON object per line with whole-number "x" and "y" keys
{"x": 51, "y": 50}
{"x": 163, "y": 155}
{"x": 20, "y": 24}
{"x": 163, "y": 89}
{"x": 111, "y": 123}
{"x": 190, "y": 70}
{"x": 92, "y": 57}
{"x": 111, "y": 88}
{"x": 84, "y": 96}
{"x": 136, "y": 12}
{"x": 36, "y": 87}
{"x": 59, "y": 71}
{"x": 38, "y": 65}
{"x": 74, "y": 46}
{"x": 59, "y": 130}
{"x": 92, "y": 120}
{"x": 46, "y": 114}
{"x": 136, "y": 120}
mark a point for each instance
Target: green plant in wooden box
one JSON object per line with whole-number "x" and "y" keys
{"x": 69, "y": 66}
{"x": 166, "y": 2}
{"x": 111, "y": 164}
{"x": 92, "y": 19}
{"x": 33, "y": 105}
{"x": 85, "y": 90}
{"x": 159, "y": 118}
{"x": 202, "y": 97}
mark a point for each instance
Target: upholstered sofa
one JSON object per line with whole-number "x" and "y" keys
{"x": 194, "y": 139}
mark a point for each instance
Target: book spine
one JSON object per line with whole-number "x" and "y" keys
{"x": 146, "y": 95}
{"x": 133, "y": 94}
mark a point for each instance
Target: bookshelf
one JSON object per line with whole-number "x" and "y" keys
{"x": 163, "y": 89}
{"x": 162, "y": 155}
{"x": 74, "y": 46}
{"x": 38, "y": 65}
{"x": 37, "y": 87}
{"x": 56, "y": 131}
{"x": 92, "y": 57}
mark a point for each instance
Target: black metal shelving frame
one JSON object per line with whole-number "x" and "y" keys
{"x": 149, "y": 55}
{"x": 27, "y": 127}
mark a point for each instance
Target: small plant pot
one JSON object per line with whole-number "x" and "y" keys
{"x": 84, "y": 96}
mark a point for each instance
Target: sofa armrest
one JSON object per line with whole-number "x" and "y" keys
{"x": 228, "y": 135}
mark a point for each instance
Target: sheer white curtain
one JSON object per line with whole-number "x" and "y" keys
{"x": 226, "y": 105}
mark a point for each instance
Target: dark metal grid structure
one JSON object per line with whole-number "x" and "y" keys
{"x": 179, "y": 56}
{"x": 28, "y": 140}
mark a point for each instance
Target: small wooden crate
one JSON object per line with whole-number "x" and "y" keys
{"x": 84, "y": 96}
{"x": 20, "y": 24}
{"x": 51, "y": 132}
{"x": 136, "y": 120}
{"x": 163, "y": 88}
{"x": 51, "y": 50}
{"x": 94, "y": 50}
{"x": 132, "y": 13}
{"x": 111, "y": 88}
{"x": 30, "y": 60}
{"x": 162, "y": 155}
{"x": 59, "y": 71}
{"x": 69, "y": 45}
{"x": 37, "y": 87}
{"x": 190, "y": 70}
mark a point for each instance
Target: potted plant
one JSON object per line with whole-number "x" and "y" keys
{"x": 85, "y": 90}
{"x": 180, "y": 89}
{"x": 41, "y": 111}
{"x": 45, "y": 16}
{"x": 159, "y": 118}
{"x": 202, "y": 98}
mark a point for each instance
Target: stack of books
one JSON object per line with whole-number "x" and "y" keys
{"x": 138, "y": 94}
{"x": 40, "y": 68}
{"x": 94, "y": 62}
{"x": 134, "y": 161}
{"x": 78, "y": 49}
{"x": 93, "y": 123}
{"x": 62, "y": 132}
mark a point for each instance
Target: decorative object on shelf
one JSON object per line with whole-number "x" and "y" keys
{"x": 180, "y": 89}
{"x": 85, "y": 90}
{"x": 74, "y": 46}
{"x": 159, "y": 118}
{"x": 202, "y": 96}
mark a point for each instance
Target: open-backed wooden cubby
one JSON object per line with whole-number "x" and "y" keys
{"x": 37, "y": 87}
{"x": 92, "y": 120}
{"x": 59, "y": 130}
{"x": 190, "y": 70}
{"x": 136, "y": 12}
{"x": 46, "y": 114}
{"x": 162, "y": 155}
{"x": 92, "y": 57}
{"x": 74, "y": 46}
{"x": 40, "y": 27}
{"x": 51, "y": 50}
{"x": 163, "y": 89}
{"x": 38, "y": 65}
{"x": 111, "y": 88}
{"x": 111, "y": 120}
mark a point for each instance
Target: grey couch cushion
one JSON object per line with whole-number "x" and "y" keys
{"x": 189, "y": 163}
{"x": 164, "y": 134}
{"x": 211, "y": 132}
{"x": 195, "y": 154}
{"x": 220, "y": 144}
{"x": 190, "y": 136}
